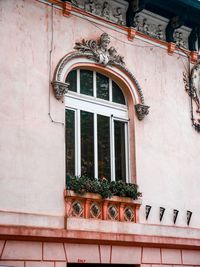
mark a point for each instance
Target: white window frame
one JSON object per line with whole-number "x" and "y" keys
{"x": 116, "y": 112}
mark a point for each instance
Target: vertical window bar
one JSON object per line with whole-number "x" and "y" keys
{"x": 95, "y": 147}
{"x": 78, "y": 143}
{"x": 126, "y": 152}
{"x": 78, "y": 81}
{"x": 110, "y": 90}
{"x": 94, "y": 84}
{"x": 112, "y": 148}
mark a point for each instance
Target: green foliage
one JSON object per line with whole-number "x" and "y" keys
{"x": 106, "y": 189}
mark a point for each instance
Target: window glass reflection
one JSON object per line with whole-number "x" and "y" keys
{"x": 103, "y": 133}
{"x": 120, "y": 155}
{"x": 87, "y": 144}
{"x": 72, "y": 80}
{"x": 86, "y": 82}
{"x": 70, "y": 141}
{"x": 117, "y": 94}
{"x": 102, "y": 86}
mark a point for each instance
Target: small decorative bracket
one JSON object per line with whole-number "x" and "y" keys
{"x": 59, "y": 89}
{"x": 67, "y": 8}
{"x": 162, "y": 211}
{"x": 148, "y": 210}
{"x": 131, "y": 33}
{"x": 175, "y": 215}
{"x": 189, "y": 215}
{"x": 141, "y": 111}
{"x": 193, "y": 57}
{"x": 171, "y": 48}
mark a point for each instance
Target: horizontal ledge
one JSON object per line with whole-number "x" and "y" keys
{"x": 10, "y": 232}
{"x": 94, "y": 196}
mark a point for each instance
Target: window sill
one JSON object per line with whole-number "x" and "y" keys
{"x": 92, "y": 206}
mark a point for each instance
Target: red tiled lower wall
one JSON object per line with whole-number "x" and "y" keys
{"x": 49, "y": 254}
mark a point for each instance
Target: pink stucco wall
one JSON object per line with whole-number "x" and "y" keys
{"x": 32, "y": 147}
{"x": 39, "y": 254}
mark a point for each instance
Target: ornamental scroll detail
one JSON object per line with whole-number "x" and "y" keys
{"x": 100, "y": 52}
{"x": 192, "y": 87}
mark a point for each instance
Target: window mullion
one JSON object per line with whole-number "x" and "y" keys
{"x": 112, "y": 148}
{"x": 78, "y": 143}
{"x": 95, "y": 147}
{"x": 126, "y": 152}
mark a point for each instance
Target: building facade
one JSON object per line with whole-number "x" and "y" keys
{"x": 108, "y": 90}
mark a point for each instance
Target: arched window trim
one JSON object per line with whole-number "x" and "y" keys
{"x": 77, "y": 60}
{"x": 125, "y": 80}
{"x": 94, "y": 99}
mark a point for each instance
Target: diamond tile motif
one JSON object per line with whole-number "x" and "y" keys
{"x": 113, "y": 212}
{"x": 95, "y": 210}
{"x": 129, "y": 214}
{"x": 77, "y": 208}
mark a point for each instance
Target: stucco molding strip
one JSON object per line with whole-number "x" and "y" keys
{"x": 98, "y": 51}
{"x": 192, "y": 87}
{"x": 88, "y": 237}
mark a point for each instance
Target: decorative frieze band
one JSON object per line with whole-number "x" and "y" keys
{"x": 144, "y": 21}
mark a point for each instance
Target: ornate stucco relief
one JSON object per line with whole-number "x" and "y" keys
{"x": 99, "y": 52}
{"x": 114, "y": 11}
{"x": 59, "y": 89}
{"x": 155, "y": 25}
{"x": 192, "y": 87}
{"x": 146, "y": 22}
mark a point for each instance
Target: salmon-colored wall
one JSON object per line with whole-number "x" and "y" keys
{"x": 32, "y": 167}
{"x": 39, "y": 254}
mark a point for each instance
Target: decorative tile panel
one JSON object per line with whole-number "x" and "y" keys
{"x": 77, "y": 208}
{"x": 92, "y": 206}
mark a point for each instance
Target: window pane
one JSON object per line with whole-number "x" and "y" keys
{"x": 72, "y": 80}
{"x": 102, "y": 86}
{"x": 86, "y": 86}
{"x": 87, "y": 144}
{"x": 117, "y": 94}
{"x": 70, "y": 141}
{"x": 103, "y": 131}
{"x": 120, "y": 155}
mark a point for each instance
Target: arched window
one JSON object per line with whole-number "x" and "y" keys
{"x": 96, "y": 127}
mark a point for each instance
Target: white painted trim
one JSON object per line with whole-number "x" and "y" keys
{"x": 112, "y": 146}
{"x": 78, "y": 152}
{"x": 95, "y": 147}
{"x": 126, "y": 151}
{"x": 93, "y": 107}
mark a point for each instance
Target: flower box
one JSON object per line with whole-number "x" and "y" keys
{"x": 93, "y": 206}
